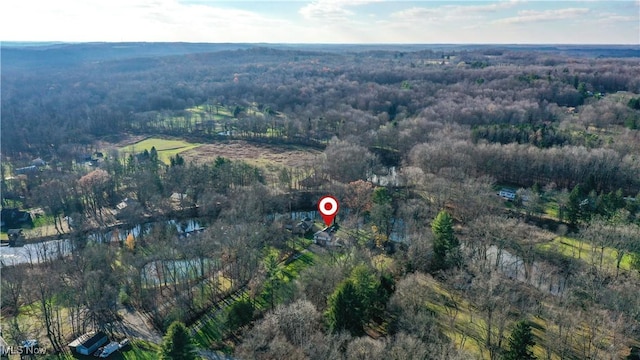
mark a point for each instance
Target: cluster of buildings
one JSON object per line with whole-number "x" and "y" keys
{"x": 324, "y": 237}
{"x": 35, "y": 166}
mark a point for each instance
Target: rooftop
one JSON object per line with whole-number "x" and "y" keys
{"x": 87, "y": 340}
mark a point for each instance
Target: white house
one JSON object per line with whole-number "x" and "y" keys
{"x": 38, "y": 162}
{"x": 322, "y": 237}
{"x": 326, "y": 236}
{"x": 507, "y": 194}
{"x": 123, "y": 204}
{"x": 88, "y": 343}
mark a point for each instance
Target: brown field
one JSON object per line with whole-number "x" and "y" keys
{"x": 262, "y": 155}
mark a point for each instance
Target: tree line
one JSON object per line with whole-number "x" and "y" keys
{"x": 433, "y": 263}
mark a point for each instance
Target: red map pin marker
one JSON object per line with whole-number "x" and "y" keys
{"x": 328, "y": 208}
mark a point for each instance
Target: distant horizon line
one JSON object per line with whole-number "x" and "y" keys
{"x": 50, "y": 42}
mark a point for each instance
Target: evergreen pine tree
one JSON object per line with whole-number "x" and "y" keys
{"x": 575, "y": 206}
{"x": 357, "y": 300}
{"x": 345, "y": 309}
{"x": 445, "y": 242}
{"x": 520, "y": 343}
{"x": 239, "y": 314}
{"x": 177, "y": 344}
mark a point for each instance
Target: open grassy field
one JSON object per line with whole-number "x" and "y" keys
{"x": 586, "y": 252}
{"x": 206, "y": 116}
{"x": 197, "y": 116}
{"x": 167, "y": 148}
{"x": 271, "y": 159}
{"x": 255, "y": 154}
{"x": 219, "y": 110}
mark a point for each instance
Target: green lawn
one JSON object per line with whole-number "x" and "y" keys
{"x": 200, "y": 114}
{"x": 464, "y": 332}
{"x": 585, "y": 251}
{"x": 213, "y": 329}
{"x": 39, "y": 221}
{"x": 42, "y": 226}
{"x": 166, "y": 148}
{"x": 208, "y": 116}
{"x": 140, "y": 350}
{"x": 219, "y": 110}
{"x": 30, "y": 319}
{"x": 210, "y": 334}
{"x": 468, "y": 328}
{"x": 551, "y": 208}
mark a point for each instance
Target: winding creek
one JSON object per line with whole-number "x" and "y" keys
{"x": 544, "y": 277}
{"x": 54, "y": 249}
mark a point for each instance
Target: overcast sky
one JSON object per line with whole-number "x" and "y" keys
{"x": 322, "y": 21}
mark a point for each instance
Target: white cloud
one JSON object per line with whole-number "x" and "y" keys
{"x": 137, "y": 20}
{"x": 332, "y": 10}
{"x": 325, "y": 11}
{"x": 529, "y": 16}
{"x": 462, "y": 15}
{"x": 614, "y": 18}
{"x": 320, "y": 21}
{"x": 416, "y": 13}
{"x": 453, "y": 10}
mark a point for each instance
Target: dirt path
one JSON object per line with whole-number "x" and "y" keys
{"x": 136, "y": 325}
{"x": 214, "y": 355}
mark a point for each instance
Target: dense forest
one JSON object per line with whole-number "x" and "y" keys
{"x": 426, "y": 259}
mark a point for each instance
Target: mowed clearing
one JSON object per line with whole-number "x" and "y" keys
{"x": 261, "y": 155}
{"x": 166, "y": 148}
{"x": 588, "y": 252}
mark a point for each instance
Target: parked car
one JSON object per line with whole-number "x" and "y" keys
{"x": 124, "y": 343}
{"x": 110, "y": 349}
{"x": 98, "y": 352}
